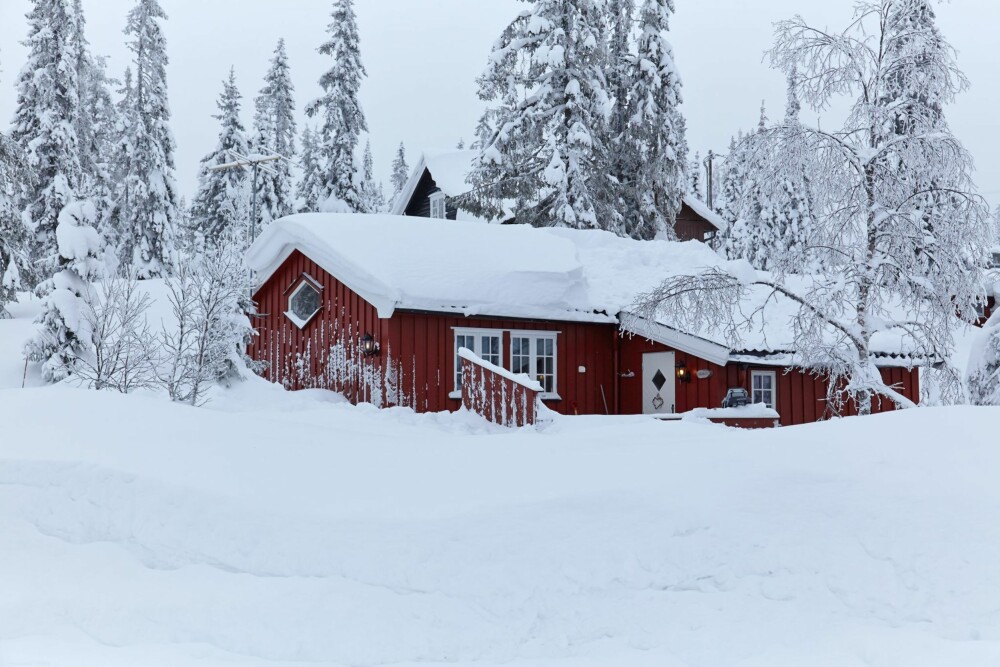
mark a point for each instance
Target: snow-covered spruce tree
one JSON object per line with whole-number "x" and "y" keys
{"x": 400, "y": 170}
{"x": 217, "y": 207}
{"x": 275, "y": 131}
{"x": 64, "y": 335}
{"x": 149, "y": 217}
{"x": 655, "y": 145}
{"x": 984, "y": 364}
{"x": 547, "y": 154}
{"x": 119, "y": 239}
{"x": 372, "y": 197}
{"x": 898, "y": 208}
{"x": 341, "y": 119}
{"x": 14, "y": 235}
{"x": 694, "y": 187}
{"x": 96, "y": 123}
{"x": 45, "y": 124}
{"x": 309, "y": 191}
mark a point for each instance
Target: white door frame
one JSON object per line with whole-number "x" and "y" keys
{"x": 662, "y": 399}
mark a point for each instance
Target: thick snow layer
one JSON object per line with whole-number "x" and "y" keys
{"x": 277, "y": 528}
{"x": 438, "y": 265}
{"x": 517, "y": 271}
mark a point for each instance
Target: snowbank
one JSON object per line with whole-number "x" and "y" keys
{"x": 278, "y": 528}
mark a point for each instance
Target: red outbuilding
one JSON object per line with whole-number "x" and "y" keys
{"x": 378, "y": 307}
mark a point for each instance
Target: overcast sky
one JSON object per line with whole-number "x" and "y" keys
{"x": 423, "y": 57}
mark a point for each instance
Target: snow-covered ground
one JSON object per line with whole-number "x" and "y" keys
{"x": 271, "y": 528}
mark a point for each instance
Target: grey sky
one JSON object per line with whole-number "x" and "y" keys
{"x": 423, "y": 57}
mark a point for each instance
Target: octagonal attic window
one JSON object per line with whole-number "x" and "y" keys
{"x": 303, "y": 304}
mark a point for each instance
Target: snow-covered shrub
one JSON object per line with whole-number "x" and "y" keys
{"x": 210, "y": 302}
{"x": 65, "y": 333}
{"x": 984, "y": 364}
{"x": 122, "y": 354}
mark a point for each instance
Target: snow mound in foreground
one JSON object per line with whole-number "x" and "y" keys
{"x": 283, "y": 529}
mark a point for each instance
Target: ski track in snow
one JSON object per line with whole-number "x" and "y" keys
{"x": 273, "y": 528}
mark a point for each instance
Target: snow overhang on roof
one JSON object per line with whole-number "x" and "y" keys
{"x": 702, "y": 209}
{"x": 660, "y": 333}
{"x": 437, "y": 265}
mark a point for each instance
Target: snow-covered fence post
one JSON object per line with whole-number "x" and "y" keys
{"x": 495, "y": 393}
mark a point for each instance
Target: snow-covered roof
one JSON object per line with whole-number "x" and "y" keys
{"x": 450, "y": 171}
{"x": 520, "y": 271}
{"x": 702, "y": 209}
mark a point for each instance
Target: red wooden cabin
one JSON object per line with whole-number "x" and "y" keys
{"x": 377, "y": 307}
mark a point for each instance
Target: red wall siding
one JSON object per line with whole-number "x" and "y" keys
{"x": 416, "y": 366}
{"x": 801, "y": 396}
{"x": 300, "y": 358}
{"x": 417, "y": 360}
{"x": 426, "y": 341}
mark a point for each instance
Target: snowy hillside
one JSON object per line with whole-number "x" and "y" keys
{"x": 279, "y": 529}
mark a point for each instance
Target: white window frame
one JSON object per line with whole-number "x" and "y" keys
{"x": 774, "y": 387}
{"x": 533, "y": 335}
{"x": 295, "y": 319}
{"x": 475, "y": 349}
{"x": 439, "y": 200}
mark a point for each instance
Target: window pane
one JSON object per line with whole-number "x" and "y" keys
{"x": 520, "y": 359}
{"x": 304, "y": 302}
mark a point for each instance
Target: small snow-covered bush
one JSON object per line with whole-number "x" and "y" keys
{"x": 122, "y": 352}
{"x": 984, "y": 364}
{"x": 210, "y": 302}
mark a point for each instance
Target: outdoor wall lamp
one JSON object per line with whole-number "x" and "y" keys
{"x": 369, "y": 347}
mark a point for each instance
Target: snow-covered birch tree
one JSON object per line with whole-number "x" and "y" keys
{"x": 545, "y": 78}
{"x": 341, "y": 118}
{"x": 46, "y": 118}
{"x": 149, "y": 219}
{"x": 898, "y": 211}
{"x": 217, "y": 209}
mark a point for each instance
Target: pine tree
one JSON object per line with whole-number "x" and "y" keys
{"x": 548, "y": 154}
{"x": 342, "y": 119}
{"x": 400, "y": 170}
{"x": 309, "y": 192}
{"x": 275, "y": 131}
{"x": 96, "y": 122}
{"x": 655, "y": 147}
{"x": 371, "y": 192}
{"x": 63, "y": 335}
{"x": 694, "y": 177}
{"x": 149, "y": 219}
{"x": 45, "y": 125}
{"x": 14, "y": 236}
{"x": 217, "y": 207}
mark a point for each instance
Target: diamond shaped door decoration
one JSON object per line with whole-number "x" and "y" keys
{"x": 659, "y": 380}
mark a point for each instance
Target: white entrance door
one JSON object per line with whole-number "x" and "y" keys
{"x": 658, "y": 383}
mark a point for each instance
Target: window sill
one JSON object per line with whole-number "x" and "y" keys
{"x": 455, "y": 395}
{"x": 301, "y": 324}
